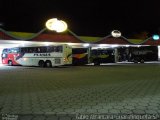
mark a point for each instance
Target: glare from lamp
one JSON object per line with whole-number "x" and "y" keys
{"x": 56, "y": 25}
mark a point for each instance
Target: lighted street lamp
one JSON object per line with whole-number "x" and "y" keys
{"x": 59, "y": 26}
{"x": 56, "y": 25}
{"x": 116, "y": 33}
{"x": 155, "y": 37}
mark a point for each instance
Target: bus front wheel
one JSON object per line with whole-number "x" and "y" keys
{"x": 10, "y": 63}
{"x": 41, "y": 63}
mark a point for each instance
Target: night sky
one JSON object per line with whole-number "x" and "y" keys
{"x": 84, "y": 17}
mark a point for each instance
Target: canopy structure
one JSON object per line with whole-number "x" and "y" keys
{"x": 70, "y": 37}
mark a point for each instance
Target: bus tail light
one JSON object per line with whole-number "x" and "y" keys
{"x": 65, "y": 59}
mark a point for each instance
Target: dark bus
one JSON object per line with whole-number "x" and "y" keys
{"x": 138, "y": 54}
{"x": 99, "y": 56}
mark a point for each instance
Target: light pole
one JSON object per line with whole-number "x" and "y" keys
{"x": 116, "y": 34}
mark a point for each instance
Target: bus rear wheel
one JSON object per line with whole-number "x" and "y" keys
{"x": 10, "y": 63}
{"x": 41, "y": 63}
{"x": 48, "y": 63}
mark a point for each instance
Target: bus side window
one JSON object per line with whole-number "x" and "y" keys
{"x": 43, "y": 49}
{"x": 55, "y": 49}
{"x": 58, "y": 49}
{"x": 9, "y": 51}
{"x": 38, "y": 50}
{"x": 17, "y": 50}
{"x": 24, "y": 50}
{"x": 35, "y": 50}
{"x": 50, "y": 49}
{"x": 30, "y": 50}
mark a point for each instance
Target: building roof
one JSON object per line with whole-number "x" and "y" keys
{"x": 71, "y": 37}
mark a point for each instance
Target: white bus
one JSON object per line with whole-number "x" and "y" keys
{"x": 43, "y": 56}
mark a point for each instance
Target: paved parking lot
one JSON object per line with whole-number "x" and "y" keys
{"x": 79, "y": 92}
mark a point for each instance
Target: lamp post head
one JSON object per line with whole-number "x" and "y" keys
{"x": 155, "y": 37}
{"x": 116, "y": 33}
{"x": 56, "y": 25}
